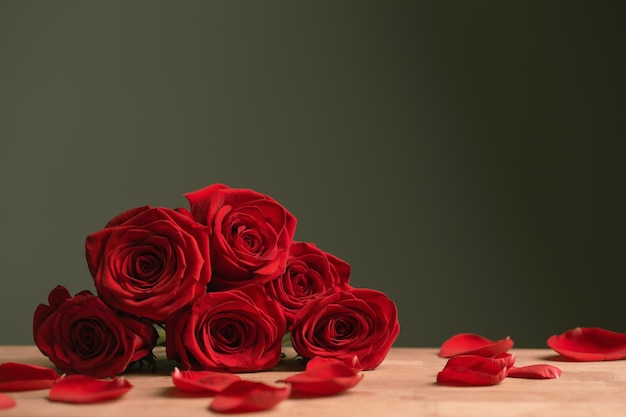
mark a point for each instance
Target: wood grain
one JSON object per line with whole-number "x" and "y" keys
{"x": 404, "y": 385}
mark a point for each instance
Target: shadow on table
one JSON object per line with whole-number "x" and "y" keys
{"x": 557, "y": 358}
{"x": 163, "y": 366}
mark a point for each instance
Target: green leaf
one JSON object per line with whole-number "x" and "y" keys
{"x": 161, "y": 334}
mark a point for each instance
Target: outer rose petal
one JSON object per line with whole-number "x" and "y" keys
{"x": 540, "y": 371}
{"x": 473, "y": 344}
{"x": 246, "y": 396}
{"x": 202, "y": 382}
{"x": 6, "y": 401}
{"x": 23, "y": 377}
{"x": 505, "y": 360}
{"x": 322, "y": 380}
{"x": 200, "y": 200}
{"x": 127, "y": 215}
{"x": 86, "y": 389}
{"x": 56, "y": 297}
{"x": 471, "y": 370}
{"x": 145, "y": 337}
{"x": 590, "y": 344}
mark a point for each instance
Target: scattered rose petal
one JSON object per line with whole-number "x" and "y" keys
{"x": 471, "y": 370}
{"x": 352, "y": 363}
{"x": 539, "y": 371}
{"x": 202, "y": 382}
{"x": 589, "y": 344}
{"x": 87, "y": 389}
{"x": 504, "y": 359}
{"x": 323, "y": 379}
{"x": 24, "y": 377}
{"x": 473, "y": 344}
{"x": 246, "y": 396}
{"x": 6, "y": 401}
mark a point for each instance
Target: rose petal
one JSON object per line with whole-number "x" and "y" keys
{"x": 589, "y": 344}
{"x": 6, "y": 401}
{"x": 504, "y": 359}
{"x": 24, "y": 377}
{"x": 245, "y": 396}
{"x": 473, "y": 344}
{"x": 86, "y": 389}
{"x": 352, "y": 363}
{"x": 202, "y": 382}
{"x": 323, "y": 379}
{"x": 471, "y": 370}
{"x": 539, "y": 371}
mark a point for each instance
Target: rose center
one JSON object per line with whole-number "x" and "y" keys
{"x": 147, "y": 266}
{"x": 227, "y": 336}
{"x": 248, "y": 239}
{"x": 340, "y": 330}
{"x": 302, "y": 280}
{"x": 87, "y": 338}
{"x": 302, "y": 286}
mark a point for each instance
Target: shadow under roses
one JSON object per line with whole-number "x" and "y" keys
{"x": 158, "y": 365}
{"x": 162, "y": 366}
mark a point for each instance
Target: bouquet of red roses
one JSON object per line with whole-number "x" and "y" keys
{"x": 225, "y": 280}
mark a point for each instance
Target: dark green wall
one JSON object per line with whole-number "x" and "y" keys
{"x": 465, "y": 157}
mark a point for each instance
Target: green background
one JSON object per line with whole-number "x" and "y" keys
{"x": 464, "y": 157}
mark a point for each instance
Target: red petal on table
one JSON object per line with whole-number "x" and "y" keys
{"x": 245, "y": 396}
{"x": 504, "y": 359}
{"x": 202, "y": 382}
{"x": 6, "y": 401}
{"x": 86, "y": 389}
{"x": 539, "y": 371}
{"x": 473, "y": 344}
{"x": 352, "y": 363}
{"x": 24, "y": 377}
{"x": 471, "y": 370}
{"x": 323, "y": 379}
{"x": 590, "y": 344}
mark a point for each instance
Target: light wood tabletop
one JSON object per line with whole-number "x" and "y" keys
{"x": 404, "y": 385}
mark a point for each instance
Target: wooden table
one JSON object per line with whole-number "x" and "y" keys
{"x": 404, "y": 385}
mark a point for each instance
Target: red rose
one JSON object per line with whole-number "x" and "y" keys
{"x": 83, "y": 335}
{"x": 150, "y": 262}
{"x": 309, "y": 273}
{"x": 347, "y": 322}
{"x": 250, "y": 234}
{"x": 238, "y": 330}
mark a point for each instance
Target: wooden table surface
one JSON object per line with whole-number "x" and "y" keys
{"x": 404, "y": 385}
